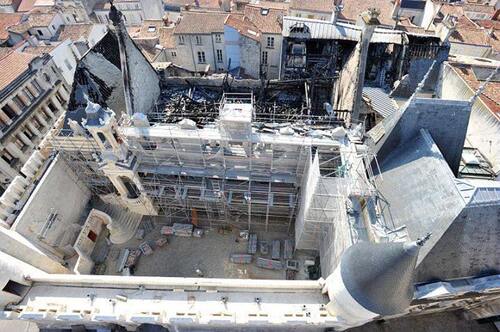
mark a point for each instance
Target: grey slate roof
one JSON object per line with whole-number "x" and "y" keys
{"x": 380, "y": 101}
{"x": 379, "y": 276}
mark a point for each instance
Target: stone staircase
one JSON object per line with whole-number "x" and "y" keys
{"x": 124, "y": 223}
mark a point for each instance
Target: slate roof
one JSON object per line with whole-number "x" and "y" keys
{"x": 17, "y": 63}
{"x": 379, "y": 276}
{"x": 201, "y": 23}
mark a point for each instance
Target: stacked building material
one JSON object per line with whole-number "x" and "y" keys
{"x": 241, "y": 258}
{"x": 146, "y": 249}
{"x": 269, "y": 264}
{"x": 288, "y": 249}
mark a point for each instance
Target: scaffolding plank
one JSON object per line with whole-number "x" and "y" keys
{"x": 269, "y": 264}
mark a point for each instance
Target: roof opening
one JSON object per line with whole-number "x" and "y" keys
{"x": 151, "y": 28}
{"x": 14, "y": 288}
{"x": 264, "y": 11}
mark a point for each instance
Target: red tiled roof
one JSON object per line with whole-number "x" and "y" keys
{"x": 479, "y": 8}
{"x": 7, "y": 20}
{"x": 75, "y": 31}
{"x": 267, "y": 20}
{"x": 167, "y": 39}
{"x": 201, "y": 23}
{"x": 243, "y": 26}
{"x": 353, "y": 8}
{"x": 26, "y": 5}
{"x": 491, "y": 94}
{"x": 39, "y": 50}
{"x": 17, "y": 63}
{"x": 322, "y": 6}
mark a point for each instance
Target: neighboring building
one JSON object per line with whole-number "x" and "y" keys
{"x": 257, "y": 31}
{"x": 461, "y": 78}
{"x": 155, "y": 40}
{"x": 318, "y": 10}
{"x": 6, "y": 21}
{"x": 72, "y": 43}
{"x": 73, "y": 11}
{"x": 32, "y": 96}
{"x": 134, "y": 11}
{"x": 44, "y": 26}
{"x": 173, "y": 8}
{"x": 9, "y": 6}
{"x": 199, "y": 37}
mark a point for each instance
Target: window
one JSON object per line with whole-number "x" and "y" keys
{"x": 270, "y": 42}
{"x": 132, "y": 190}
{"x": 201, "y": 57}
{"x": 40, "y": 32}
{"x": 15, "y": 288}
{"x": 264, "y": 58}
{"x": 68, "y": 65}
{"x": 219, "y": 56}
{"x": 198, "y": 40}
{"x": 92, "y": 236}
{"x": 151, "y": 28}
{"x": 174, "y": 54}
{"x": 9, "y": 111}
{"x": 181, "y": 40}
{"x": 8, "y": 157}
{"x": 218, "y": 38}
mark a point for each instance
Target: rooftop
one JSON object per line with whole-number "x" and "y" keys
{"x": 491, "y": 94}
{"x": 268, "y": 20}
{"x": 75, "y": 31}
{"x": 17, "y": 63}
{"x": 7, "y": 20}
{"x": 26, "y": 5}
{"x": 352, "y": 9}
{"x": 322, "y": 6}
{"x": 201, "y": 23}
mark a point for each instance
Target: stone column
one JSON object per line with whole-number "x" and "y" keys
{"x": 5, "y": 118}
{"x": 49, "y": 112}
{"x": 56, "y": 103}
{"x": 23, "y": 97}
{"x": 32, "y": 89}
{"x": 14, "y": 106}
{"x": 26, "y": 140}
{"x": 62, "y": 91}
{"x": 6, "y": 169}
{"x": 16, "y": 152}
{"x": 33, "y": 129}
{"x": 41, "y": 119}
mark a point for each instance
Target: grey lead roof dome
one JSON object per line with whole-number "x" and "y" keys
{"x": 379, "y": 276}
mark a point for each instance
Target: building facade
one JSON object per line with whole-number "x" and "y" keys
{"x": 32, "y": 97}
{"x": 134, "y": 12}
{"x": 199, "y": 38}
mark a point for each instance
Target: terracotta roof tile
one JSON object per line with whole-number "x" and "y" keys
{"x": 267, "y": 20}
{"x": 322, "y": 6}
{"x": 75, "y": 31}
{"x": 353, "y": 8}
{"x": 167, "y": 39}
{"x": 39, "y": 50}
{"x": 491, "y": 94}
{"x": 17, "y": 63}
{"x": 243, "y": 26}
{"x": 26, "y": 5}
{"x": 201, "y": 23}
{"x": 7, "y": 20}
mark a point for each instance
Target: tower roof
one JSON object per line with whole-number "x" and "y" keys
{"x": 379, "y": 276}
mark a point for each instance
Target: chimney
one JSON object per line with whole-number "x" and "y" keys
{"x": 446, "y": 28}
{"x": 496, "y": 15}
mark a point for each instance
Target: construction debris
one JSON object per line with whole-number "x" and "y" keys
{"x": 167, "y": 230}
{"x": 185, "y": 230}
{"x": 264, "y": 247}
{"x": 292, "y": 265}
{"x": 146, "y": 249}
{"x": 139, "y": 234}
{"x": 161, "y": 242}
